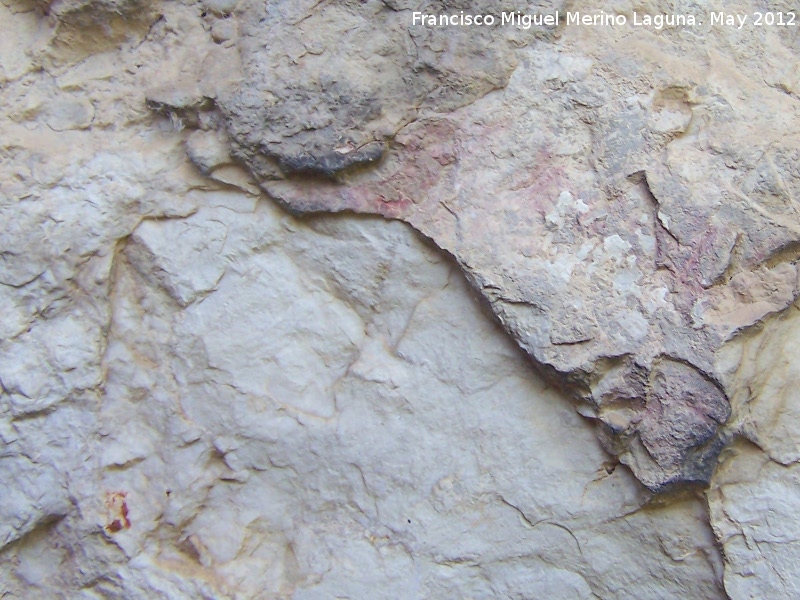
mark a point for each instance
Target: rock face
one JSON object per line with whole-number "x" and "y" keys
{"x": 204, "y": 395}
{"x": 612, "y": 213}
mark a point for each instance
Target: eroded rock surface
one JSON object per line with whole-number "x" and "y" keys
{"x": 205, "y": 396}
{"x": 326, "y": 86}
{"x": 623, "y": 197}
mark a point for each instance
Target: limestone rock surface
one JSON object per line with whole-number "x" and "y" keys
{"x": 620, "y": 202}
{"x": 203, "y": 395}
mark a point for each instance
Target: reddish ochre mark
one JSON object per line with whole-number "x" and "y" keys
{"x": 114, "y": 526}
{"x": 118, "y": 511}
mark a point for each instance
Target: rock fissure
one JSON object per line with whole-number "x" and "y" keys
{"x": 196, "y": 386}
{"x": 590, "y": 263}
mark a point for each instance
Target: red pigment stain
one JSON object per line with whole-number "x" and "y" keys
{"x": 118, "y": 511}
{"x": 421, "y": 156}
{"x": 392, "y": 209}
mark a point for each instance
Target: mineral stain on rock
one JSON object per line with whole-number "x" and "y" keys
{"x": 593, "y": 203}
{"x": 117, "y": 506}
{"x": 624, "y": 201}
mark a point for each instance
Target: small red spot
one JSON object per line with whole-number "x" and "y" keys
{"x": 117, "y": 511}
{"x": 114, "y": 526}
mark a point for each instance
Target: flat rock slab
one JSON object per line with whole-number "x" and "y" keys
{"x": 624, "y": 196}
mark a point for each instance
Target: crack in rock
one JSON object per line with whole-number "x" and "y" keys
{"x": 603, "y": 211}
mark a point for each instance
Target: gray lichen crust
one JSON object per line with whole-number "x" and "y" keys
{"x": 325, "y": 86}
{"x": 623, "y": 208}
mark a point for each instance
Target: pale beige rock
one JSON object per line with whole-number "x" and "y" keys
{"x": 762, "y": 372}
{"x": 754, "y": 503}
{"x": 203, "y": 396}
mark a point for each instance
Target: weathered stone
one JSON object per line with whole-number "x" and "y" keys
{"x": 753, "y": 503}
{"x": 324, "y": 90}
{"x": 202, "y": 395}
{"x": 601, "y": 209}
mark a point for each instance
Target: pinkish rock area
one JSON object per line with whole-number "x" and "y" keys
{"x": 310, "y": 299}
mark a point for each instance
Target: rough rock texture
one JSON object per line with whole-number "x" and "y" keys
{"x": 755, "y": 494}
{"x": 203, "y": 395}
{"x": 602, "y": 199}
